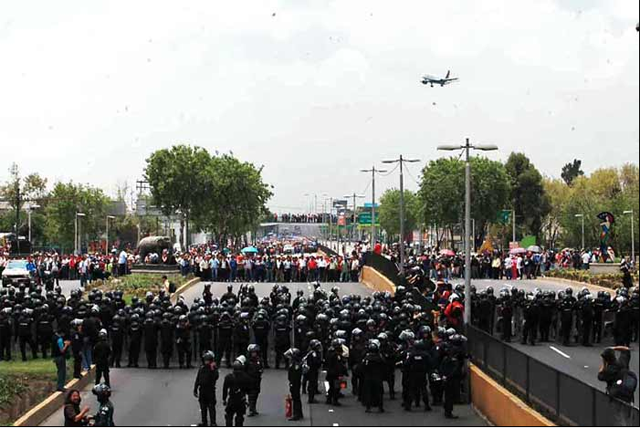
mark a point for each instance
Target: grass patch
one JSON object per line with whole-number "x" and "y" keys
{"x": 39, "y": 367}
{"x": 24, "y": 384}
{"x": 607, "y": 280}
{"x": 10, "y": 387}
{"x": 138, "y": 284}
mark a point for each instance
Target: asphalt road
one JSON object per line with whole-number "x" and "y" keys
{"x": 164, "y": 397}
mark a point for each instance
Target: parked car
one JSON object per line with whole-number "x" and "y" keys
{"x": 16, "y": 273}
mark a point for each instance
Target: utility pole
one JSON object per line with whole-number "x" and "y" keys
{"x": 467, "y": 147}
{"x": 633, "y": 237}
{"x": 401, "y": 161}
{"x": 373, "y": 171}
{"x": 355, "y": 196}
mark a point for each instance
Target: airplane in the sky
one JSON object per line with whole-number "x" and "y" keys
{"x": 431, "y": 80}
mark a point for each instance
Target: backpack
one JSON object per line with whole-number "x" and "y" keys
{"x": 625, "y": 387}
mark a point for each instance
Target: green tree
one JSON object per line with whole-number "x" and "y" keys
{"x": 237, "y": 198}
{"x": 442, "y": 193}
{"x": 527, "y": 197}
{"x": 606, "y": 189}
{"x": 65, "y": 201}
{"x": 179, "y": 182}
{"x": 558, "y": 193}
{"x": 21, "y": 192}
{"x": 389, "y": 212}
{"x": 571, "y": 171}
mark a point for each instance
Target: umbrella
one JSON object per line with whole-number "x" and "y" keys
{"x": 447, "y": 253}
{"x": 250, "y": 250}
{"x": 518, "y": 251}
{"x": 534, "y": 249}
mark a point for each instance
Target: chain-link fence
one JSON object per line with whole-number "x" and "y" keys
{"x": 562, "y": 398}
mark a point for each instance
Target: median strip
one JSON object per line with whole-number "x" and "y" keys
{"x": 40, "y": 412}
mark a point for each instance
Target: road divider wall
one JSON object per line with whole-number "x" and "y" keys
{"x": 54, "y": 402}
{"x": 375, "y": 281}
{"x": 499, "y": 406}
{"x": 184, "y": 287}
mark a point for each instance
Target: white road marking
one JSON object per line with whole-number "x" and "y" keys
{"x": 586, "y": 367}
{"x": 330, "y": 410}
{"x": 336, "y": 425}
{"x": 560, "y": 352}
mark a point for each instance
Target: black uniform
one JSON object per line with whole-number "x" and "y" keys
{"x": 417, "y": 365}
{"x": 205, "y": 390}
{"x": 255, "y": 368}
{"x": 167, "y": 328}
{"x": 234, "y": 393}
{"x": 295, "y": 386}
{"x": 101, "y": 357}
{"x": 150, "y": 332}
{"x": 116, "y": 332}
{"x": 373, "y": 375}
{"x": 225, "y": 333}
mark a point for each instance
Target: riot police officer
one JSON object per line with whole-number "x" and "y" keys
{"x": 183, "y": 342}
{"x": 234, "y": 393}
{"x": 294, "y": 357}
{"x": 255, "y": 368}
{"x": 204, "y": 388}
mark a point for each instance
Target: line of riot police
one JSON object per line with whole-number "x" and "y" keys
{"x": 543, "y": 315}
{"x": 364, "y": 338}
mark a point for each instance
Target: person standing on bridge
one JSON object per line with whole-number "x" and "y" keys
{"x": 204, "y": 389}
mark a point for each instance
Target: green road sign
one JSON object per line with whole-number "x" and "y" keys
{"x": 365, "y": 218}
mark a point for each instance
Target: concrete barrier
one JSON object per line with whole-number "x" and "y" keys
{"x": 184, "y": 287}
{"x": 375, "y": 281}
{"x": 40, "y": 412}
{"x": 499, "y": 406}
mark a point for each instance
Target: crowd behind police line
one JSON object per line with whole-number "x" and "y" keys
{"x": 363, "y": 338}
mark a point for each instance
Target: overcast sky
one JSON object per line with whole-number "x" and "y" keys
{"x": 313, "y": 90}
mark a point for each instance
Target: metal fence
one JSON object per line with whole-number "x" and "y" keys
{"x": 561, "y": 398}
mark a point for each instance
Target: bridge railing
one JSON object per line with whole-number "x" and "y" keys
{"x": 563, "y": 399}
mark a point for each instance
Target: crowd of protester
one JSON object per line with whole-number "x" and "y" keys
{"x": 304, "y": 218}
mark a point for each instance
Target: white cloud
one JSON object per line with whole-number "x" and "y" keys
{"x": 317, "y": 91}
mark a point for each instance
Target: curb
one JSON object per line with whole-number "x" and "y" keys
{"x": 183, "y": 288}
{"x": 576, "y": 283}
{"x": 37, "y": 414}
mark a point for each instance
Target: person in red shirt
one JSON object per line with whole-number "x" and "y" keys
{"x": 454, "y": 312}
{"x": 377, "y": 249}
{"x": 312, "y": 265}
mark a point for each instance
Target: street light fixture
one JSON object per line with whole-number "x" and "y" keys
{"x": 29, "y": 211}
{"x": 373, "y": 171}
{"x": 467, "y": 147}
{"x": 106, "y": 245}
{"x": 78, "y": 243}
{"x": 355, "y": 196}
{"x": 581, "y": 216}
{"x": 633, "y": 237}
{"x": 401, "y": 161}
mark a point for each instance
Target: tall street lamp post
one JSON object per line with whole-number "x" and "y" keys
{"x": 29, "y": 211}
{"x": 633, "y": 237}
{"x": 581, "y": 216}
{"x": 373, "y": 171}
{"x": 401, "y": 161}
{"x": 106, "y": 245}
{"x": 78, "y": 243}
{"x": 467, "y": 147}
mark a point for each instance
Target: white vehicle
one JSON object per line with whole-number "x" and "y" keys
{"x": 16, "y": 273}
